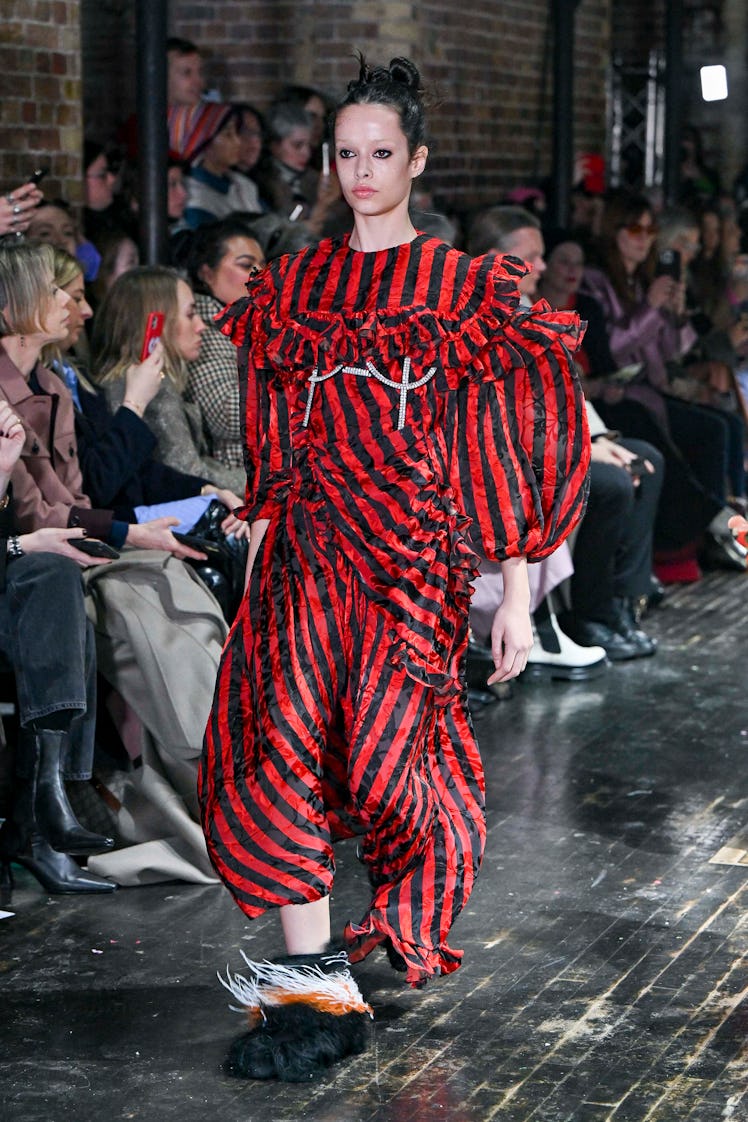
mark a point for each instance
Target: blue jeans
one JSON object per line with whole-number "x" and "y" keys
{"x": 49, "y": 642}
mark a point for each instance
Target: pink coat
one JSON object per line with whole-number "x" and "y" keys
{"x": 47, "y": 484}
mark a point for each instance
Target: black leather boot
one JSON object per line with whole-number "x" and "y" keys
{"x": 57, "y": 872}
{"x": 40, "y": 763}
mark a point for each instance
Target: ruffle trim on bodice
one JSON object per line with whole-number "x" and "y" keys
{"x": 485, "y": 317}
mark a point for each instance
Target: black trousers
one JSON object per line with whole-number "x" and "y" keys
{"x": 49, "y": 643}
{"x": 613, "y": 548}
{"x": 688, "y": 503}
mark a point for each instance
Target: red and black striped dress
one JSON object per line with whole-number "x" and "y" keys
{"x": 402, "y": 416}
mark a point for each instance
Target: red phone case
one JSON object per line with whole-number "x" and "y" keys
{"x": 154, "y": 327}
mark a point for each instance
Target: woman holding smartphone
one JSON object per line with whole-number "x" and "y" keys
{"x": 374, "y": 368}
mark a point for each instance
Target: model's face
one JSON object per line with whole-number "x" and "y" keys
{"x": 79, "y": 310}
{"x": 55, "y": 227}
{"x": 189, "y": 327}
{"x": 228, "y": 280}
{"x": 564, "y": 267}
{"x": 176, "y": 194}
{"x": 250, "y": 136}
{"x": 224, "y": 149}
{"x": 186, "y": 81}
{"x": 527, "y": 243}
{"x": 634, "y": 241}
{"x": 372, "y": 159}
{"x": 294, "y": 150}
{"x": 99, "y": 184}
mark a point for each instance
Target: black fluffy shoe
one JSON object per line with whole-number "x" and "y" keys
{"x": 306, "y": 1012}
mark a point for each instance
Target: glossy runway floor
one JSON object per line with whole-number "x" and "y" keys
{"x": 605, "y": 946}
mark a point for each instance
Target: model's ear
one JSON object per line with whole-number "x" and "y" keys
{"x": 418, "y": 161}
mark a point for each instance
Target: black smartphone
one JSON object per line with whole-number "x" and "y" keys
{"x": 38, "y": 176}
{"x": 668, "y": 264}
{"x": 94, "y": 548}
{"x": 637, "y": 468}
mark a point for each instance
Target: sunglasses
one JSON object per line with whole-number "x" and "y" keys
{"x": 636, "y": 229}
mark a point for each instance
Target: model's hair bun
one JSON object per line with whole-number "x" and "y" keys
{"x": 402, "y": 70}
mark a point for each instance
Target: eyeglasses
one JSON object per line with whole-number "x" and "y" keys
{"x": 636, "y": 229}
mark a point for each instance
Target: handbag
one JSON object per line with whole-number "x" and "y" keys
{"x": 224, "y": 570}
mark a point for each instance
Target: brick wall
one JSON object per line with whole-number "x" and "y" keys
{"x": 488, "y": 61}
{"x": 40, "y": 91}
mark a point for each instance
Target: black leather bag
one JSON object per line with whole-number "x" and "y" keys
{"x": 223, "y": 571}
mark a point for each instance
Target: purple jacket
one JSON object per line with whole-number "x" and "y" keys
{"x": 646, "y": 335}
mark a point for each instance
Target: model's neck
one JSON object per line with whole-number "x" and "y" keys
{"x": 23, "y": 352}
{"x": 381, "y": 231}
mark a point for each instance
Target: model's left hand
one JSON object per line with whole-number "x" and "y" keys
{"x": 511, "y": 640}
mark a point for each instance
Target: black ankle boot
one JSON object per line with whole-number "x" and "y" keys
{"x": 40, "y": 762}
{"x": 57, "y": 872}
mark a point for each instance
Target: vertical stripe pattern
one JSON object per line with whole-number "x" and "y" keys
{"x": 340, "y": 705}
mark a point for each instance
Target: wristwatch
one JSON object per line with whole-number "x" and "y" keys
{"x": 14, "y": 547}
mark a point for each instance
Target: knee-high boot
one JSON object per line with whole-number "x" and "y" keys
{"x": 40, "y": 764}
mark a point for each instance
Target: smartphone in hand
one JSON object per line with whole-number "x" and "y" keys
{"x": 37, "y": 176}
{"x": 668, "y": 264}
{"x": 92, "y": 547}
{"x": 154, "y": 329}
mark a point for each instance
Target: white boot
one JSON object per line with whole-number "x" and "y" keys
{"x": 568, "y": 661}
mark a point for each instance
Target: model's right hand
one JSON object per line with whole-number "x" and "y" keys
{"x": 50, "y": 540}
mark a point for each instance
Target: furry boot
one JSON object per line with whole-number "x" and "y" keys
{"x": 305, "y": 1013}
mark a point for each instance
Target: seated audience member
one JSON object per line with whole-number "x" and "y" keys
{"x": 103, "y": 211}
{"x": 54, "y": 224}
{"x": 251, "y": 138}
{"x": 159, "y": 632}
{"x": 315, "y": 105}
{"x": 185, "y": 81}
{"x": 285, "y": 176}
{"x": 646, "y": 324}
{"x": 49, "y": 643}
{"x": 115, "y": 347}
{"x": 206, "y": 137}
{"x": 223, "y": 256}
{"x": 176, "y": 194}
{"x": 119, "y": 253}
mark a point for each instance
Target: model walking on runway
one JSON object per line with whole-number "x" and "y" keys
{"x": 402, "y": 418}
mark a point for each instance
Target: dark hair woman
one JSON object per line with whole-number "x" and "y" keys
{"x": 373, "y": 368}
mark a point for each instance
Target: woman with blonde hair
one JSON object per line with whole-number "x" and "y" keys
{"x": 116, "y": 345}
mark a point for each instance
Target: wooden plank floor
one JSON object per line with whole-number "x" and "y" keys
{"x": 605, "y": 975}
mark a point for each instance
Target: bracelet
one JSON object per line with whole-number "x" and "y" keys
{"x": 14, "y": 547}
{"x": 135, "y": 406}
{"x": 4, "y": 501}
